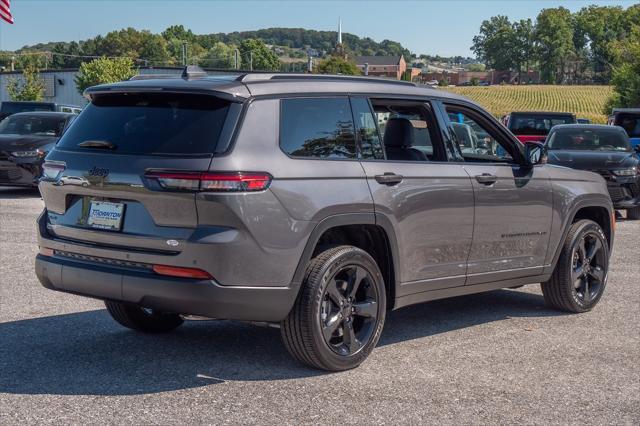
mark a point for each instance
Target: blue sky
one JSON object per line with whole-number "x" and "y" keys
{"x": 432, "y": 27}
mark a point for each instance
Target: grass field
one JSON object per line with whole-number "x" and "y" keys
{"x": 584, "y": 101}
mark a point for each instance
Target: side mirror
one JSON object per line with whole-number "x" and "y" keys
{"x": 536, "y": 153}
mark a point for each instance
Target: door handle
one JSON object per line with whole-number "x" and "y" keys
{"x": 389, "y": 179}
{"x": 486, "y": 179}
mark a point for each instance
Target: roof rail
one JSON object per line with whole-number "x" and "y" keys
{"x": 251, "y": 77}
{"x": 192, "y": 72}
{"x": 152, "y": 76}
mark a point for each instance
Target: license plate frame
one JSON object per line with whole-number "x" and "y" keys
{"x": 105, "y": 215}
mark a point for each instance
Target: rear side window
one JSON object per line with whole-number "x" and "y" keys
{"x": 150, "y": 123}
{"x": 630, "y": 123}
{"x": 317, "y": 128}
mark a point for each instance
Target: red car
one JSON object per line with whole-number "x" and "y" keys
{"x": 535, "y": 126}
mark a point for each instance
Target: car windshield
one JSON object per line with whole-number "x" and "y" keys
{"x": 149, "y": 123}
{"x": 588, "y": 140}
{"x": 537, "y": 124}
{"x": 32, "y": 125}
{"x": 630, "y": 123}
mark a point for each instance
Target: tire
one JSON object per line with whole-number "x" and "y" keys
{"x": 580, "y": 276}
{"x": 331, "y": 327}
{"x": 141, "y": 319}
{"x": 633, "y": 214}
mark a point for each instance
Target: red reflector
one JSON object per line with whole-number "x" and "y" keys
{"x": 46, "y": 251}
{"x": 175, "y": 271}
{"x": 206, "y": 181}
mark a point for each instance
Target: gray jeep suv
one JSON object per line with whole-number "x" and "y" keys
{"x": 317, "y": 203}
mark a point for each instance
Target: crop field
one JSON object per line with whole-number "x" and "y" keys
{"x": 584, "y": 101}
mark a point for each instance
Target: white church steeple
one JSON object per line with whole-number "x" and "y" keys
{"x": 340, "y": 31}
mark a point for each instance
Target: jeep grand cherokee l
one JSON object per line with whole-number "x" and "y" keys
{"x": 279, "y": 198}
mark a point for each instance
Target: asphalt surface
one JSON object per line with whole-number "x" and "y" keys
{"x": 498, "y": 357}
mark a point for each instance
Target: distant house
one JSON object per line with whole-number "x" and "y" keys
{"x": 384, "y": 66}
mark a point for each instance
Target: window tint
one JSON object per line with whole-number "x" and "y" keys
{"x": 318, "y": 128}
{"x": 630, "y": 123}
{"x": 537, "y": 124}
{"x": 150, "y": 123}
{"x": 32, "y": 125}
{"x": 370, "y": 145}
{"x": 608, "y": 139}
{"x": 475, "y": 141}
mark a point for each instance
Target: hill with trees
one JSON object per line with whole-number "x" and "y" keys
{"x": 216, "y": 50}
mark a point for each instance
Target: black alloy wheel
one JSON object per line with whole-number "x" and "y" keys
{"x": 349, "y": 310}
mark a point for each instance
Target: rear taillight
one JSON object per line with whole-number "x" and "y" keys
{"x": 175, "y": 271}
{"x": 210, "y": 181}
{"x": 52, "y": 169}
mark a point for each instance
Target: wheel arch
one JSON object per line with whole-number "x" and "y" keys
{"x": 598, "y": 209}
{"x": 371, "y": 232}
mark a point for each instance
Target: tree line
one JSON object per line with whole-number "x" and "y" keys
{"x": 249, "y": 49}
{"x": 566, "y": 48}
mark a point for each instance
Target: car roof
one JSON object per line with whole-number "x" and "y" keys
{"x": 244, "y": 86}
{"x": 588, "y": 127}
{"x": 542, "y": 113}
{"x": 44, "y": 114}
{"x": 623, "y": 110}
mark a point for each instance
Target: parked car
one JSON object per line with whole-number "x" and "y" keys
{"x": 629, "y": 120}
{"x": 11, "y": 107}
{"x": 605, "y": 150}
{"x": 534, "y": 126}
{"x": 276, "y": 198}
{"x": 25, "y": 139}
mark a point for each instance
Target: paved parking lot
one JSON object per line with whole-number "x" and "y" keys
{"x": 498, "y": 357}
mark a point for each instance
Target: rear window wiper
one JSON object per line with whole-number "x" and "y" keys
{"x": 97, "y": 144}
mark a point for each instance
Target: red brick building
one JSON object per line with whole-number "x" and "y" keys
{"x": 385, "y": 66}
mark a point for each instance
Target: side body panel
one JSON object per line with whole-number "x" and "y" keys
{"x": 432, "y": 213}
{"x": 512, "y": 222}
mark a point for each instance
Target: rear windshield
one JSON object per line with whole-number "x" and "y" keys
{"x": 149, "y": 123}
{"x": 32, "y": 125}
{"x": 537, "y": 124}
{"x": 630, "y": 123}
{"x": 589, "y": 140}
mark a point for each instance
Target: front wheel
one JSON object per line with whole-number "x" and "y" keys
{"x": 142, "y": 319}
{"x": 580, "y": 276}
{"x": 634, "y": 213}
{"x": 340, "y": 311}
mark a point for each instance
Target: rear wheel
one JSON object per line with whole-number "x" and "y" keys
{"x": 580, "y": 276}
{"x": 634, "y": 213}
{"x": 142, "y": 319}
{"x": 339, "y": 314}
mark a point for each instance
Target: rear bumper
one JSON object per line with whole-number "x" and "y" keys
{"x": 178, "y": 295}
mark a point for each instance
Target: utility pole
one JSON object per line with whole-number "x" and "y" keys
{"x": 251, "y": 60}
{"x": 13, "y": 63}
{"x": 184, "y": 53}
{"x": 237, "y": 58}
{"x": 310, "y": 64}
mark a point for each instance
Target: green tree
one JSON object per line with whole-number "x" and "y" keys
{"x": 336, "y": 65}
{"x": 31, "y": 88}
{"x": 257, "y": 56}
{"x": 221, "y": 55}
{"x": 522, "y": 46}
{"x": 554, "y": 35}
{"x": 104, "y": 70}
{"x": 495, "y": 42}
{"x": 626, "y": 72}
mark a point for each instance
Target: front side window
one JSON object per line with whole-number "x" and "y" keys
{"x": 630, "y": 123}
{"x": 317, "y": 128}
{"x": 474, "y": 138}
